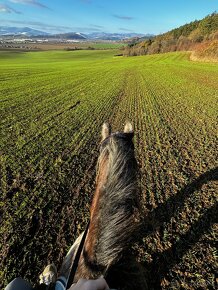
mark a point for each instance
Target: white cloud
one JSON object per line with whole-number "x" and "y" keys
{"x": 30, "y": 2}
{"x": 7, "y": 9}
{"x": 125, "y": 29}
{"x": 37, "y": 24}
{"x": 122, "y": 17}
{"x": 96, "y": 26}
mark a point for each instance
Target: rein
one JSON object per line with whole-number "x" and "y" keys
{"x": 77, "y": 257}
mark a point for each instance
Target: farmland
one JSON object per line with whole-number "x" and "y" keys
{"x": 52, "y": 106}
{"x": 31, "y": 45}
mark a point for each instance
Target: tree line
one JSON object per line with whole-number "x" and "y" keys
{"x": 185, "y": 37}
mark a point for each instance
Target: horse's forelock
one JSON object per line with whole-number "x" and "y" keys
{"x": 117, "y": 137}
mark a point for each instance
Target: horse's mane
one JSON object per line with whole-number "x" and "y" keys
{"x": 118, "y": 202}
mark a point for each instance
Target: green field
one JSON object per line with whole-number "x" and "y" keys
{"x": 107, "y": 45}
{"x": 52, "y": 106}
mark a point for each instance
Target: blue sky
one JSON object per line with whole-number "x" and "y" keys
{"x": 141, "y": 16}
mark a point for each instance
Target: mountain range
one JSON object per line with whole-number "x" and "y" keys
{"x": 22, "y": 32}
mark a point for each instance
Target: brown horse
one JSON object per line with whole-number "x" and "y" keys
{"x": 114, "y": 217}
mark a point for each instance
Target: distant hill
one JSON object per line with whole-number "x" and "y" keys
{"x": 112, "y": 36}
{"x": 33, "y": 33}
{"x": 97, "y": 36}
{"x": 69, "y": 36}
{"x": 29, "y": 32}
{"x": 185, "y": 37}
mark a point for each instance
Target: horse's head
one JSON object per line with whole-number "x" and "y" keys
{"x": 116, "y": 157}
{"x": 114, "y": 209}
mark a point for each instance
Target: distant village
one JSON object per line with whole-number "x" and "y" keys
{"x": 33, "y": 43}
{"x": 56, "y": 43}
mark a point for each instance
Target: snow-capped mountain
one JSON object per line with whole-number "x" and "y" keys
{"x": 112, "y": 36}
{"x": 30, "y": 32}
{"x": 70, "y": 36}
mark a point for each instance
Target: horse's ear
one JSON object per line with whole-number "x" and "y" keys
{"x": 106, "y": 131}
{"x": 128, "y": 128}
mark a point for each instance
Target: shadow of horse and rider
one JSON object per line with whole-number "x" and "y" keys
{"x": 116, "y": 222}
{"x": 165, "y": 261}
